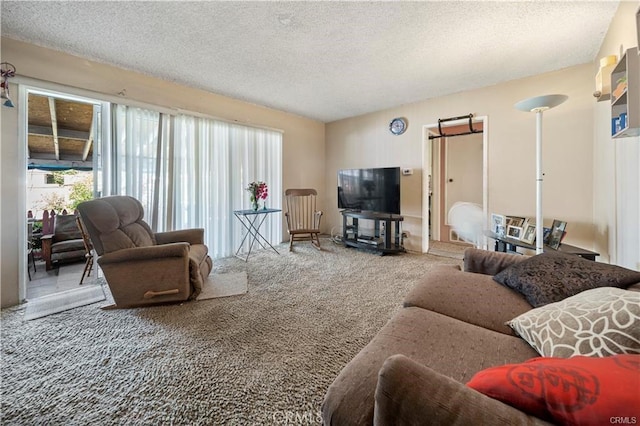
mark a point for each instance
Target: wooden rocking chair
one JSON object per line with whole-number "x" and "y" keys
{"x": 303, "y": 219}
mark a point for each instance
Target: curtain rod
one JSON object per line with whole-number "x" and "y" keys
{"x": 37, "y": 84}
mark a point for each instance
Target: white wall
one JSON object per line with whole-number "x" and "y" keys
{"x": 39, "y": 191}
{"x": 627, "y": 203}
{"x": 365, "y": 141}
{"x": 610, "y": 157}
{"x": 303, "y": 139}
{"x": 10, "y": 184}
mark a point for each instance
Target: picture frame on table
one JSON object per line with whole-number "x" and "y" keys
{"x": 557, "y": 233}
{"x": 498, "y": 223}
{"x": 514, "y": 232}
{"x": 529, "y": 234}
{"x": 516, "y": 221}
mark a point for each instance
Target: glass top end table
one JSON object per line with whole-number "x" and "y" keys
{"x": 252, "y": 220}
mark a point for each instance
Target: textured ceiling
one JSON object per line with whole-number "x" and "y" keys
{"x": 323, "y": 60}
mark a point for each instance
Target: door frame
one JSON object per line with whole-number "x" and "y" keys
{"x": 428, "y": 221}
{"x": 61, "y": 92}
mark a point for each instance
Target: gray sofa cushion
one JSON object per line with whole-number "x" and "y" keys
{"x": 447, "y": 345}
{"x": 552, "y": 276}
{"x": 489, "y": 262}
{"x": 409, "y": 393}
{"x": 66, "y": 228}
{"x": 467, "y": 296}
{"x": 68, "y": 246}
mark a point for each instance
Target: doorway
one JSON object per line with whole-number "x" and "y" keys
{"x": 455, "y": 170}
{"x": 62, "y": 136}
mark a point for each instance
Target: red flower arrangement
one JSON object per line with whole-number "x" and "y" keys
{"x": 258, "y": 191}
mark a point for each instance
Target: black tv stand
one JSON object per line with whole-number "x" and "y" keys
{"x": 385, "y": 240}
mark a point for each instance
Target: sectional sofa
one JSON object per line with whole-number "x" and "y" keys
{"x": 457, "y": 323}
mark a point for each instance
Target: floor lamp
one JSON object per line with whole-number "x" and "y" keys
{"x": 538, "y": 105}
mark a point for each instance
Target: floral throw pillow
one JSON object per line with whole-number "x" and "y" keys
{"x": 600, "y": 322}
{"x": 553, "y": 276}
{"x": 576, "y": 391}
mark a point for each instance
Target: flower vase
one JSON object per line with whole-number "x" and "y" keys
{"x": 254, "y": 204}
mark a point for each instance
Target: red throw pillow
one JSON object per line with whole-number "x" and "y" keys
{"x": 573, "y": 391}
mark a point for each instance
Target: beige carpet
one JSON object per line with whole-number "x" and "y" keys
{"x": 224, "y": 285}
{"x": 257, "y": 359}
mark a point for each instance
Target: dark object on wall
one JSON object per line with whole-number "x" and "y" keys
{"x": 462, "y": 117}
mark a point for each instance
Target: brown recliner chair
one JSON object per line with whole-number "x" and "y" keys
{"x": 140, "y": 266}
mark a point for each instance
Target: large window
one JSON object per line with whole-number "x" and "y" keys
{"x": 192, "y": 172}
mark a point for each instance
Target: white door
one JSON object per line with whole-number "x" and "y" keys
{"x": 456, "y": 167}
{"x": 463, "y": 169}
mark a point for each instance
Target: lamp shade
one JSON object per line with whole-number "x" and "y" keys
{"x": 541, "y": 103}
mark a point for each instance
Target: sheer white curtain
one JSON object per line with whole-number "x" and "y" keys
{"x": 214, "y": 162}
{"x": 135, "y": 151}
{"x": 192, "y": 172}
{"x": 256, "y": 155}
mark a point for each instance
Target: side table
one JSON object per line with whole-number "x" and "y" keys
{"x": 506, "y": 244}
{"x": 252, "y": 220}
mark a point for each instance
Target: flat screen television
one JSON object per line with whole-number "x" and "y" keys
{"x": 376, "y": 190}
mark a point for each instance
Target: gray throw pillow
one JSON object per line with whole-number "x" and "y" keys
{"x": 552, "y": 276}
{"x": 600, "y": 322}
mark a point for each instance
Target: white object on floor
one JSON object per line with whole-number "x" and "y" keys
{"x": 467, "y": 220}
{"x": 224, "y": 285}
{"x": 63, "y": 301}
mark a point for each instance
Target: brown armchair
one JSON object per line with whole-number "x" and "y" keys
{"x": 143, "y": 267}
{"x": 65, "y": 244}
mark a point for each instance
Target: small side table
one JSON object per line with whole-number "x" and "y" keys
{"x": 252, "y": 220}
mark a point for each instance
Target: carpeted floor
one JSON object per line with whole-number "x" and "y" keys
{"x": 264, "y": 357}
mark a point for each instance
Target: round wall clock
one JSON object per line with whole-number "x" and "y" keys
{"x": 398, "y": 126}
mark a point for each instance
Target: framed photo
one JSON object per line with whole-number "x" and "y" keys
{"x": 529, "y": 234}
{"x": 498, "y": 223}
{"x": 515, "y": 221}
{"x": 514, "y": 232}
{"x": 557, "y": 233}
